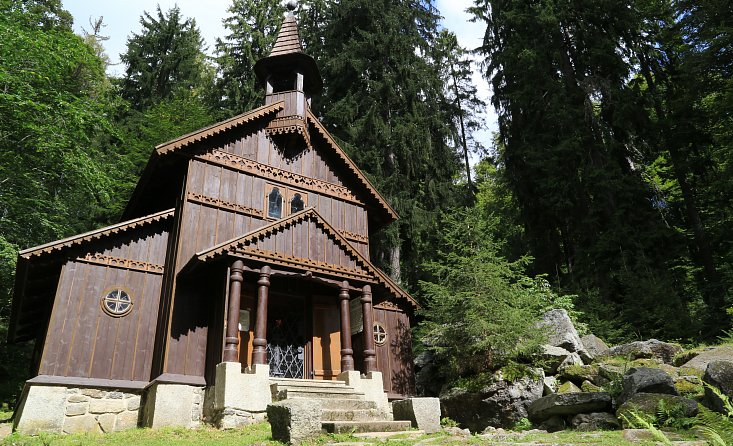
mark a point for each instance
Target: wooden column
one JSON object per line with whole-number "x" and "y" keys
{"x": 347, "y": 354}
{"x": 370, "y": 354}
{"x": 259, "y": 352}
{"x": 231, "y": 342}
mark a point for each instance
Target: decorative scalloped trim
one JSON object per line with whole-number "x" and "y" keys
{"x": 95, "y": 235}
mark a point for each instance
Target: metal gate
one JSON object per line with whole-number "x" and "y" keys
{"x": 286, "y": 343}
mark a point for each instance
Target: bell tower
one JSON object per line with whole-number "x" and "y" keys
{"x": 292, "y": 76}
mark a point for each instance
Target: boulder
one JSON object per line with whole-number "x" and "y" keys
{"x": 588, "y": 386}
{"x": 568, "y": 404}
{"x": 568, "y": 387}
{"x": 647, "y": 380}
{"x": 561, "y": 333}
{"x": 572, "y": 360}
{"x": 701, "y": 361}
{"x": 295, "y": 420}
{"x": 580, "y": 373}
{"x": 611, "y": 372}
{"x": 653, "y": 348}
{"x": 550, "y": 385}
{"x": 553, "y": 357}
{"x": 594, "y": 345}
{"x": 718, "y": 374}
{"x": 423, "y": 413}
{"x": 501, "y": 404}
{"x": 553, "y": 424}
{"x": 648, "y": 403}
{"x": 428, "y": 380}
{"x": 595, "y": 421}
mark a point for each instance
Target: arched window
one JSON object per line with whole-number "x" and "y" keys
{"x": 296, "y": 204}
{"x": 275, "y": 203}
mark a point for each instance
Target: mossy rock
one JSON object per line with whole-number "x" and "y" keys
{"x": 649, "y": 403}
{"x": 588, "y": 386}
{"x": 568, "y": 387}
{"x": 689, "y": 388}
{"x": 580, "y": 373}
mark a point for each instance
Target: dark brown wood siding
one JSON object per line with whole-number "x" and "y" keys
{"x": 84, "y": 341}
{"x": 224, "y": 198}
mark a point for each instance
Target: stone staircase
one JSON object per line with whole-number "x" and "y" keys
{"x": 344, "y": 409}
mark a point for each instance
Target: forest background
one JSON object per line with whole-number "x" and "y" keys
{"x": 609, "y": 181}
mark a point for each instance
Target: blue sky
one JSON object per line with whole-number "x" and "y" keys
{"x": 123, "y": 18}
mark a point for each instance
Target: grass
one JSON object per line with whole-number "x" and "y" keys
{"x": 260, "y": 435}
{"x": 256, "y": 434}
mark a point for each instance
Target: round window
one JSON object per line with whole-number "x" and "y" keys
{"x": 380, "y": 334}
{"x": 117, "y": 302}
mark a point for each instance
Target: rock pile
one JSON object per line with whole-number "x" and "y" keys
{"x": 586, "y": 385}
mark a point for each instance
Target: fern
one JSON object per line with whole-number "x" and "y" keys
{"x": 717, "y": 428}
{"x": 638, "y": 420}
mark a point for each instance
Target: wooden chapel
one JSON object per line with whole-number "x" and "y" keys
{"x": 244, "y": 241}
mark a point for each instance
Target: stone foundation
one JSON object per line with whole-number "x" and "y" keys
{"x": 72, "y": 410}
{"x": 173, "y": 405}
{"x": 240, "y": 398}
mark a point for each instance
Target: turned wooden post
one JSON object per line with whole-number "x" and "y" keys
{"x": 347, "y": 354}
{"x": 231, "y": 342}
{"x": 370, "y": 354}
{"x": 259, "y": 352}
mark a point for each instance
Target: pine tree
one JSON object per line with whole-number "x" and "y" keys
{"x": 165, "y": 58}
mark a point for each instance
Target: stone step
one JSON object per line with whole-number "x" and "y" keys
{"x": 353, "y": 415}
{"x": 347, "y": 404}
{"x": 345, "y": 427}
{"x": 306, "y": 392}
{"x": 295, "y": 382}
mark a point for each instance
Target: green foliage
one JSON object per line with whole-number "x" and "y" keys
{"x": 481, "y": 310}
{"x": 522, "y": 425}
{"x": 384, "y": 100}
{"x": 611, "y": 141}
{"x": 448, "y": 422}
{"x": 717, "y": 427}
{"x": 164, "y": 59}
{"x": 252, "y": 26}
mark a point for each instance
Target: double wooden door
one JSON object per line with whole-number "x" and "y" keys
{"x": 303, "y": 338}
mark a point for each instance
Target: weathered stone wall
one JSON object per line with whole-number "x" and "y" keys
{"x": 97, "y": 410}
{"x": 72, "y": 410}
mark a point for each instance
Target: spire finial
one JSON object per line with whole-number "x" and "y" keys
{"x": 291, "y": 5}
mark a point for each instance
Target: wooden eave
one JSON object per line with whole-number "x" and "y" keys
{"x": 97, "y": 234}
{"x": 238, "y": 247}
{"x": 391, "y": 214}
{"x": 215, "y": 129}
{"x": 31, "y": 305}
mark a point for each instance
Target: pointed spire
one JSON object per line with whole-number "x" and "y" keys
{"x": 287, "y": 56}
{"x": 288, "y": 39}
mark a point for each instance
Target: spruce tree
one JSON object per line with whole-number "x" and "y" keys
{"x": 383, "y": 97}
{"x": 571, "y": 152}
{"x": 165, "y": 58}
{"x": 252, "y": 27}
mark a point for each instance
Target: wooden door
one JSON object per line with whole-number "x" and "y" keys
{"x": 393, "y": 343}
{"x": 326, "y": 348}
